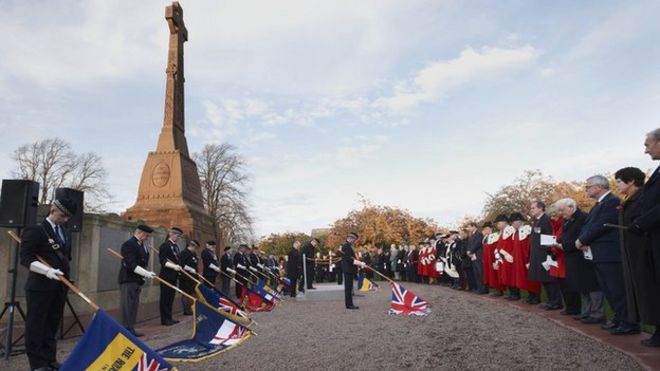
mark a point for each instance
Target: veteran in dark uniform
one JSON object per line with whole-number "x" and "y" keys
{"x": 45, "y": 295}
{"x": 309, "y": 251}
{"x": 240, "y": 259}
{"x": 225, "y": 264}
{"x": 348, "y": 264}
{"x": 188, "y": 261}
{"x": 169, "y": 255}
{"x": 210, "y": 263}
{"x": 132, "y": 273}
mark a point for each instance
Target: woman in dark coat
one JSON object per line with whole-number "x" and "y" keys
{"x": 642, "y": 291}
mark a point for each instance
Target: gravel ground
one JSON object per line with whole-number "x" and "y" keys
{"x": 464, "y": 332}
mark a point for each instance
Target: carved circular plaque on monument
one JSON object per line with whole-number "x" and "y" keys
{"x": 161, "y": 174}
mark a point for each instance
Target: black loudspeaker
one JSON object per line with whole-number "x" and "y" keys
{"x": 75, "y": 222}
{"x": 18, "y": 203}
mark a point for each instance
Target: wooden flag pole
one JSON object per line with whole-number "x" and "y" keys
{"x": 380, "y": 274}
{"x": 63, "y": 279}
{"x": 118, "y": 255}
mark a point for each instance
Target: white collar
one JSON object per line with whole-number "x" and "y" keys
{"x": 603, "y": 196}
{"x": 52, "y": 225}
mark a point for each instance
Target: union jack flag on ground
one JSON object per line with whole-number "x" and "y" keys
{"x": 405, "y": 302}
{"x": 146, "y": 364}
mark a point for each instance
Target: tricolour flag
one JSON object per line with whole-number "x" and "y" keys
{"x": 405, "y": 302}
{"x": 106, "y": 345}
{"x": 364, "y": 284}
{"x": 218, "y": 300}
{"x": 212, "y": 335}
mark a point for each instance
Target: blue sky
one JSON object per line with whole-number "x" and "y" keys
{"x": 425, "y": 105}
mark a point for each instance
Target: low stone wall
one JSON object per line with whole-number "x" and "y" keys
{"x": 93, "y": 269}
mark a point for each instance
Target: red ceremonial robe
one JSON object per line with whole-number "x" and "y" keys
{"x": 432, "y": 260}
{"x": 505, "y": 248}
{"x": 560, "y": 270}
{"x": 521, "y": 259}
{"x": 491, "y": 277}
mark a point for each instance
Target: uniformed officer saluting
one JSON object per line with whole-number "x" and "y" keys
{"x": 132, "y": 274}
{"x": 348, "y": 264}
{"x": 168, "y": 254}
{"x": 44, "y": 293}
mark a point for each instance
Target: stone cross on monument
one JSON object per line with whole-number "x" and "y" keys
{"x": 170, "y": 192}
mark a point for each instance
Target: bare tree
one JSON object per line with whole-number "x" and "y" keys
{"x": 225, "y": 190}
{"x": 53, "y": 164}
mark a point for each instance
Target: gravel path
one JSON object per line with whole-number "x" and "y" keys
{"x": 464, "y": 332}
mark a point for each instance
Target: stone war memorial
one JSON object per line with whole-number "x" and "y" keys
{"x": 170, "y": 192}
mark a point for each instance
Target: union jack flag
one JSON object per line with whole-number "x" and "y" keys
{"x": 229, "y": 334}
{"x": 405, "y": 302}
{"x": 226, "y": 305}
{"x": 146, "y": 365}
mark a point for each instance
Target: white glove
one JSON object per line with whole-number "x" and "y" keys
{"x": 260, "y": 266}
{"x": 143, "y": 272}
{"x": 173, "y": 266}
{"x": 240, "y": 266}
{"x": 254, "y": 269}
{"x": 231, "y": 271}
{"x": 214, "y": 267}
{"x": 359, "y": 263}
{"x": 41, "y": 268}
{"x": 190, "y": 269}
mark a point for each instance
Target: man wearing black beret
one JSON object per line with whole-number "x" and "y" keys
{"x": 45, "y": 294}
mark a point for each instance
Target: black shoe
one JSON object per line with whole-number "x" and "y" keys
{"x": 533, "y": 301}
{"x": 353, "y": 307}
{"x": 174, "y": 321}
{"x": 187, "y": 313}
{"x": 625, "y": 330}
{"x": 580, "y": 317}
{"x": 482, "y": 292}
{"x": 513, "y": 298}
{"x": 44, "y": 369}
{"x": 496, "y": 293}
{"x": 167, "y": 323}
{"x": 609, "y": 325}
{"x": 553, "y": 307}
{"x": 651, "y": 342}
{"x": 135, "y": 333}
{"x": 311, "y": 288}
{"x": 591, "y": 320}
{"x": 55, "y": 365}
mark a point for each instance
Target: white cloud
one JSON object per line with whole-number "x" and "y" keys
{"x": 440, "y": 78}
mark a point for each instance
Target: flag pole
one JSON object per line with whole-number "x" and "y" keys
{"x": 63, "y": 279}
{"x": 380, "y": 274}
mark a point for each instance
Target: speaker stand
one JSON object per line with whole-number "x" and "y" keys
{"x": 10, "y": 308}
{"x": 76, "y": 321}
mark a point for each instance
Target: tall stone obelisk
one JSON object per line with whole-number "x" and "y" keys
{"x": 170, "y": 192}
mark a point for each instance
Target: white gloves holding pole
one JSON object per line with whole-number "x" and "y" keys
{"x": 359, "y": 263}
{"x": 189, "y": 269}
{"x": 231, "y": 270}
{"x": 173, "y": 266}
{"x": 240, "y": 266}
{"x": 41, "y": 268}
{"x": 143, "y": 272}
{"x": 214, "y": 267}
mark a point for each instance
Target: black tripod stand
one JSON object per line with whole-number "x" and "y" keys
{"x": 10, "y": 308}
{"x": 76, "y": 321}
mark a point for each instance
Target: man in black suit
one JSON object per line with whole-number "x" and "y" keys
{"x": 648, "y": 223}
{"x": 348, "y": 264}
{"x": 294, "y": 267}
{"x": 603, "y": 245}
{"x": 538, "y": 254}
{"x": 210, "y": 264}
{"x": 45, "y": 295}
{"x": 132, "y": 273}
{"x": 168, "y": 255}
{"x": 580, "y": 276}
{"x": 474, "y": 252}
{"x": 309, "y": 251}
